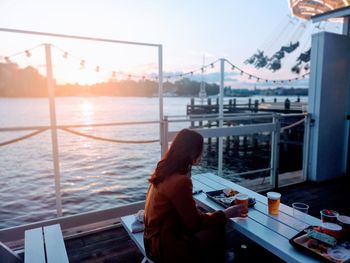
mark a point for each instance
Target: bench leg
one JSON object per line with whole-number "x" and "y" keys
{"x": 146, "y": 260}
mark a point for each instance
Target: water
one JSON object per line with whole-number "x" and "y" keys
{"x": 94, "y": 174}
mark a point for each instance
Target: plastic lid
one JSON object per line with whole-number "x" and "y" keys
{"x": 273, "y": 195}
{"x": 331, "y": 226}
{"x": 339, "y": 253}
{"x": 344, "y": 219}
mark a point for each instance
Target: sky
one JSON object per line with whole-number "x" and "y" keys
{"x": 192, "y": 33}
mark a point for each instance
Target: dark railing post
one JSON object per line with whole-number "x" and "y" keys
{"x": 256, "y": 105}
{"x": 192, "y": 111}
{"x": 287, "y": 104}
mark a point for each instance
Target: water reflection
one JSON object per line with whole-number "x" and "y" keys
{"x": 86, "y": 109}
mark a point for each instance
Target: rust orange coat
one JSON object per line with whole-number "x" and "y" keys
{"x": 172, "y": 220}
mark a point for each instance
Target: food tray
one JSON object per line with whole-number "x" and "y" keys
{"x": 339, "y": 253}
{"x": 220, "y": 198}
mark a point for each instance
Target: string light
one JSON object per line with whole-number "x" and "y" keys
{"x": 181, "y": 75}
{"x": 242, "y": 72}
{"x": 28, "y": 53}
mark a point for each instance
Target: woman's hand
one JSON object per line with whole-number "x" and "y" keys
{"x": 236, "y": 211}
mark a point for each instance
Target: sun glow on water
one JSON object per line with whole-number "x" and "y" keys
{"x": 86, "y": 107}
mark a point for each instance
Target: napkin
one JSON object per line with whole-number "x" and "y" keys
{"x": 138, "y": 226}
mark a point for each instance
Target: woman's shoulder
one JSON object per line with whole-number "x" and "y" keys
{"x": 180, "y": 178}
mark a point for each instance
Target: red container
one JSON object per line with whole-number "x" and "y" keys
{"x": 332, "y": 229}
{"x": 329, "y": 216}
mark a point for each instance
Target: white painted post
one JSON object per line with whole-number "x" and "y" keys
{"x": 55, "y": 155}
{"x": 306, "y": 146}
{"x": 221, "y": 113}
{"x": 163, "y": 143}
{"x": 275, "y": 144}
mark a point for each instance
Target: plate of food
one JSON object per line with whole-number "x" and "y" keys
{"x": 322, "y": 246}
{"x": 226, "y": 197}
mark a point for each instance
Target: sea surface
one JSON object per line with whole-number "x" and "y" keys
{"x": 94, "y": 174}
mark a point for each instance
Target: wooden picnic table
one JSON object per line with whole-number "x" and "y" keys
{"x": 269, "y": 231}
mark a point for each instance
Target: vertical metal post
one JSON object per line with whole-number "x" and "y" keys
{"x": 306, "y": 146}
{"x": 275, "y": 144}
{"x": 164, "y": 146}
{"x": 346, "y": 24}
{"x": 55, "y": 155}
{"x": 221, "y": 113}
{"x": 160, "y": 94}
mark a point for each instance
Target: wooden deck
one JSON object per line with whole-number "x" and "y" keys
{"x": 263, "y": 183}
{"x": 114, "y": 245}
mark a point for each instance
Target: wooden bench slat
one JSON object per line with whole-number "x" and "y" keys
{"x": 136, "y": 237}
{"x": 34, "y": 246}
{"x": 55, "y": 248}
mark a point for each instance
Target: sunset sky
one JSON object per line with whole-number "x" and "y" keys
{"x": 188, "y": 31}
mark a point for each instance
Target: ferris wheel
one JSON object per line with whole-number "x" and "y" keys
{"x": 305, "y": 9}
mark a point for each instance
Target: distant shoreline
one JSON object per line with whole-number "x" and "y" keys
{"x": 90, "y": 96}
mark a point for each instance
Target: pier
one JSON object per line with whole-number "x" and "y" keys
{"x": 252, "y": 152}
{"x": 212, "y": 106}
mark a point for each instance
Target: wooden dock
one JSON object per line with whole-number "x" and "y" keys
{"x": 212, "y": 107}
{"x": 111, "y": 243}
{"x": 114, "y": 245}
{"x": 252, "y": 152}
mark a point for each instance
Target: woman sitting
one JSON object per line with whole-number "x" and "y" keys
{"x": 175, "y": 231}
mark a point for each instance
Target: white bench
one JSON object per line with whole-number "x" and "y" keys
{"x": 45, "y": 245}
{"x": 136, "y": 237}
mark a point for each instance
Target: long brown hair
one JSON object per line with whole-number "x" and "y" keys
{"x": 185, "y": 148}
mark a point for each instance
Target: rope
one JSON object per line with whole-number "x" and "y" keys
{"x": 23, "y": 137}
{"x": 106, "y": 139}
{"x": 292, "y": 125}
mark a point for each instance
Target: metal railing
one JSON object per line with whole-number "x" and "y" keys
{"x": 272, "y": 126}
